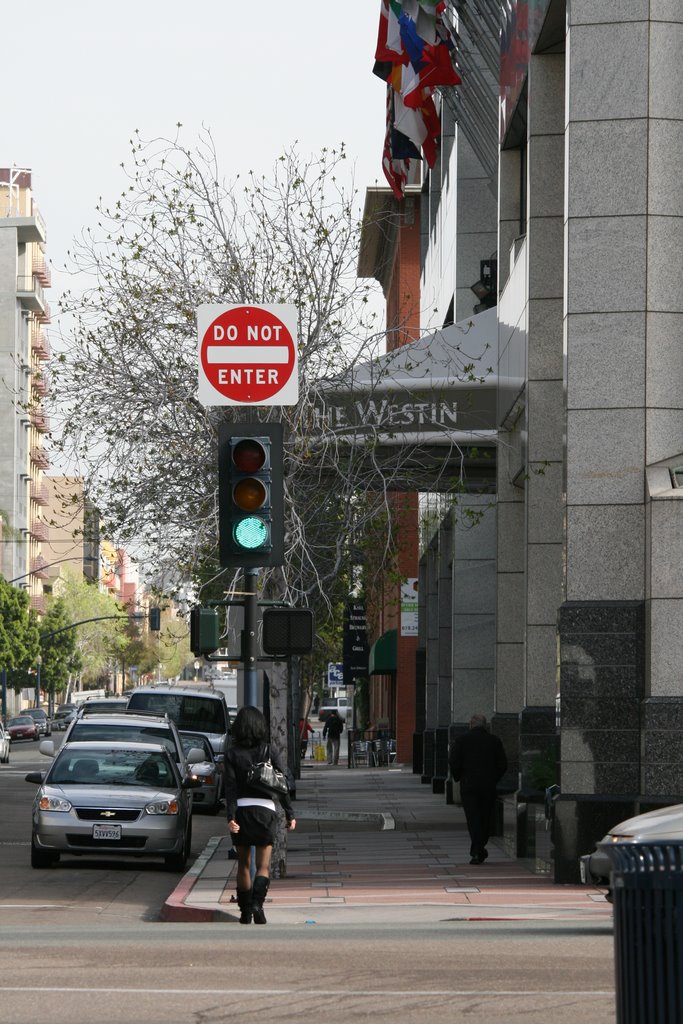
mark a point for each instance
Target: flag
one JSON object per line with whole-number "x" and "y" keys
{"x": 396, "y": 166}
{"x": 415, "y": 54}
{"x": 389, "y": 47}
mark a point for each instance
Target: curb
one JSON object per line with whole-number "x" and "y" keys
{"x": 175, "y": 907}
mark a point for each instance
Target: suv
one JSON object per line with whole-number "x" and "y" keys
{"x": 192, "y": 709}
{"x": 40, "y": 717}
{"x": 128, "y": 729}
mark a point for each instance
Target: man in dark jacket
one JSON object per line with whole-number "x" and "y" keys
{"x": 477, "y": 761}
{"x": 334, "y": 726}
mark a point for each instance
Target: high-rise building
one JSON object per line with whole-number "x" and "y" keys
{"x": 24, "y": 312}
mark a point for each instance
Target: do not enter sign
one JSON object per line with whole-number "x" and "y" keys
{"x": 247, "y": 355}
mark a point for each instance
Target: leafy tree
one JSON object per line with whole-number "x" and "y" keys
{"x": 59, "y": 648}
{"x": 95, "y": 642}
{"x": 19, "y": 644}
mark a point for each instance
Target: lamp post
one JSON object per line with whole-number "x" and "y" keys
{"x": 39, "y": 662}
{"x": 197, "y": 665}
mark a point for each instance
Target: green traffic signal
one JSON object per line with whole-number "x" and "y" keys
{"x": 251, "y": 530}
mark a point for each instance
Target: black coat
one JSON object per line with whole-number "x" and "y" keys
{"x": 477, "y": 761}
{"x": 238, "y": 761}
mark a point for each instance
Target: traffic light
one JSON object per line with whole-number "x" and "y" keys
{"x": 287, "y": 631}
{"x": 204, "y": 631}
{"x": 155, "y": 619}
{"x": 250, "y": 495}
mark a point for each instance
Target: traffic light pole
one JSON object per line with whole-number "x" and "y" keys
{"x": 249, "y": 644}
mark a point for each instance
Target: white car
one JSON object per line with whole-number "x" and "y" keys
{"x": 655, "y": 826}
{"x": 5, "y": 743}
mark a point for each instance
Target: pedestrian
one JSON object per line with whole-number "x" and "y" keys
{"x": 305, "y": 730}
{"x": 477, "y": 761}
{"x": 252, "y": 817}
{"x": 333, "y": 728}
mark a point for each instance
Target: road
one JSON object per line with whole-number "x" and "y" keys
{"x": 81, "y": 941}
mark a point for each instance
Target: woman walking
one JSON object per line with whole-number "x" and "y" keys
{"x": 252, "y": 816}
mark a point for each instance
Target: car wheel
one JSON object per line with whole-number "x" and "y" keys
{"x": 177, "y": 861}
{"x": 42, "y": 858}
{"x": 216, "y": 807}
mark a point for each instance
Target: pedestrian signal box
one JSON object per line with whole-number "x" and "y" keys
{"x": 287, "y": 631}
{"x": 204, "y": 631}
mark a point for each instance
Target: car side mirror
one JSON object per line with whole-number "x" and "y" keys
{"x": 189, "y": 783}
{"x": 47, "y": 747}
{"x": 35, "y": 777}
{"x": 195, "y": 755}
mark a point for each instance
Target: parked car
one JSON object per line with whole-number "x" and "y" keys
{"x": 112, "y": 799}
{"x": 64, "y": 716}
{"x": 127, "y": 728}
{"x": 659, "y": 826}
{"x": 199, "y": 709}
{"x": 22, "y": 727}
{"x": 5, "y": 744}
{"x": 40, "y": 717}
{"x": 208, "y": 772}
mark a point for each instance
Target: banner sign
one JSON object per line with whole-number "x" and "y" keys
{"x": 356, "y": 651}
{"x": 409, "y": 606}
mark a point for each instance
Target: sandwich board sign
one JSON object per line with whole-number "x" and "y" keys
{"x": 248, "y": 354}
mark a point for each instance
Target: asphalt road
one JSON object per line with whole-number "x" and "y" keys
{"x": 81, "y": 941}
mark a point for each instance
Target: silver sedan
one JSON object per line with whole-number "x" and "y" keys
{"x": 116, "y": 799}
{"x": 208, "y": 772}
{"x": 5, "y": 743}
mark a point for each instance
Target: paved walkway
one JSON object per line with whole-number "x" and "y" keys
{"x": 374, "y": 844}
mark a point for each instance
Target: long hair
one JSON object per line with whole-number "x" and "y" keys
{"x": 250, "y": 728}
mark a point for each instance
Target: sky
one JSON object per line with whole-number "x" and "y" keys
{"x": 79, "y": 77}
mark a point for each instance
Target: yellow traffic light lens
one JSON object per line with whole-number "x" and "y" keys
{"x": 249, "y": 494}
{"x": 250, "y": 533}
{"x": 249, "y": 455}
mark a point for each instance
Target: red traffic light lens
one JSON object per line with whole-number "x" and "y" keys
{"x": 249, "y": 494}
{"x": 249, "y": 456}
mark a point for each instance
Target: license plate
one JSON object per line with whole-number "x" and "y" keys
{"x": 106, "y": 832}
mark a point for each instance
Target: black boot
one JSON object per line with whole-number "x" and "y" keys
{"x": 261, "y": 885}
{"x": 246, "y": 905}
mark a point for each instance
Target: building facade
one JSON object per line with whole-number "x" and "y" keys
{"x": 24, "y": 350}
{"x": 582, "y": 221}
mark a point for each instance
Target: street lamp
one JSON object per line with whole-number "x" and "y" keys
{"x": 197, "y": 666}
{"x": 39, "y": 662}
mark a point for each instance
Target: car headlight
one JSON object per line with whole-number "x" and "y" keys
{"x": 162, "y": 807}
{"x": 620, "y": 838}
{"x": 53, "y": 803}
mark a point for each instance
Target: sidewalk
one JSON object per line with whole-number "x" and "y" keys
{"x": 375, "y": 845}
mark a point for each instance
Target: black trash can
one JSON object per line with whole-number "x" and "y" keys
{"x": 647, "y": 882}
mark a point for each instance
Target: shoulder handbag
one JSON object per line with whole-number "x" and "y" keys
{"x": 264, "y": 776}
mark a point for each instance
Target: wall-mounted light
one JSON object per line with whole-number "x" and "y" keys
{"x": 486, "y": 288}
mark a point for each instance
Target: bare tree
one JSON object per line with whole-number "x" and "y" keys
{"x": 178, "y": 237}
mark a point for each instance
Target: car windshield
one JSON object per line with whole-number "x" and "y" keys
{"x": 64, "y": 710}
{"x": 133, "y": 732}
{"x": 21, "y": 720}
{"x": 115, "y": 767}
{"x": 190, "y": 740}
{"x": 36, "y": 713}
{"x": 191, "y": 712}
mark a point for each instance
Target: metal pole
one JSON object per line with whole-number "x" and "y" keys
{"x": 249, "y": 651}
{"x": 39, "y": 662}
{"x": 3, "y": 680}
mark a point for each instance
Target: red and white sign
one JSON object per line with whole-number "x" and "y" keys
{"x": 248, "y": 355}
